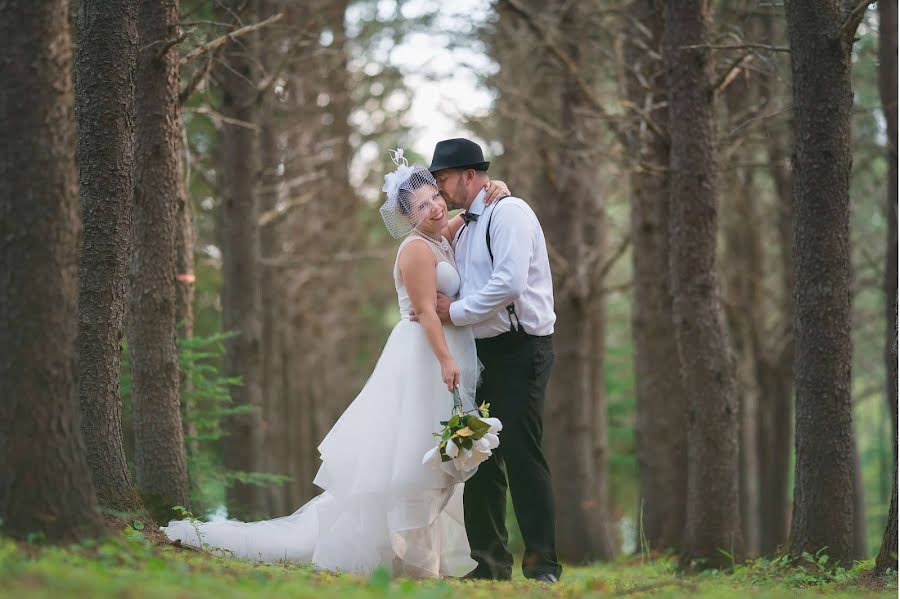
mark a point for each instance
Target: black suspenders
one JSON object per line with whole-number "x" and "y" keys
{"x": 511, "y": 308}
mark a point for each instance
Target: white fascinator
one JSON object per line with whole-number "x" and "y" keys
{"x": 400, "y": 212}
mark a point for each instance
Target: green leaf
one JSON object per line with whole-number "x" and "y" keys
{"x": 479, "y": 427}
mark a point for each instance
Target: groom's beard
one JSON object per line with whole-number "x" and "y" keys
{"x": 452, "y": 204}
{"x": 456, "y": 199}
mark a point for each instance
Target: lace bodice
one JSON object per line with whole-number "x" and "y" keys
{"x": 448, "y": 280}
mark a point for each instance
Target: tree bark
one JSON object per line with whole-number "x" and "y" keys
{"x": 661, "y": 404}
{"x": 887, "y": 79}
{"x": 274, "y": 399}
{"x": 45, "y": 481}
{"x": 713, "y": 520}
{"x": 185, "y": 285}
{"x": 823, "y": 98}
{"x": 776, "y": 366}
{"x": 239, "y": 240}
{"x": 106, "y": 60}
{"x": 743, "y": 293}
{"x": 576, "y": 436}
{"x": 160, "y": 460}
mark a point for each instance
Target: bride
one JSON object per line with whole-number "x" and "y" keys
{"x": 381, "y": 506}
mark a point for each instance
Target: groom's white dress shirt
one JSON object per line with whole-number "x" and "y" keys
{"x": 520, "y": 273}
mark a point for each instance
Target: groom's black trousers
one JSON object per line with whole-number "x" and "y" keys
{"x": 516, "y": 370}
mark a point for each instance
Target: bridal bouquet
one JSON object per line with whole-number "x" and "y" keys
{"x": 466, "y": 439}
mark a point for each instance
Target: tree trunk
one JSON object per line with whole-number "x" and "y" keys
{"x": 661, "y": 441}
{"x": 860, "y": 549}
{"x": 274, "y": 400}
{"x": 576, "y": 439}
{"x": 239, "y": 240}
{"x": 185, "y": 284}
{"x": 743, "y": 292}
{"x": 45, "y": 481}
{"x": 887, "y": 79}
{"x": 106, "y": 61}
{"x": 776, "y": 374}
{"x": 713, "y": 520}
{"x": 159, "y": 440}
{"x": 823, "y": 98}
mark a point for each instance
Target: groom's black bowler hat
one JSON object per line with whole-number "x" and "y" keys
{"x": 458, "y": 153}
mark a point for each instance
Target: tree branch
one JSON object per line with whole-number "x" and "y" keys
{"x": 170, "y": 44}
{"x": 279, "y": 212}
{"x": 854, "y": 18}
{"x": 221, "y": 41}
{"x": 567, "y": 61}
{"x": 218, "y": 117}
{"x": 747, "y": 46}
{"x": 731, "y": 73}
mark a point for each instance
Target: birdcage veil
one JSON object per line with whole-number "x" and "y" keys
{"x": 400, "y": 212}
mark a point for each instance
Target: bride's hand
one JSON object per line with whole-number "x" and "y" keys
{"x": 450, "y": 374}
{"x": 495, "y": 190}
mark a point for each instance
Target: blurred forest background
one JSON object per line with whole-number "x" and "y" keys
{"x": 256, "y": 147}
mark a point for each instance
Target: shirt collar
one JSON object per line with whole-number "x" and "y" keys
{"x": 477, "y": 206}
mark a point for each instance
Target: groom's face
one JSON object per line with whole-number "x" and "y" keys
{"x": 452, "y": 185}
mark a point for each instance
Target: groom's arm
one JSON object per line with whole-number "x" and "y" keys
{"x": 511, "y": 243}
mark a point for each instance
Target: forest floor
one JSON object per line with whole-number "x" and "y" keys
{"x": 139, "y": 564}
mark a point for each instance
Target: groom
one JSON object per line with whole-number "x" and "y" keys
{"x": 507, "y": 297}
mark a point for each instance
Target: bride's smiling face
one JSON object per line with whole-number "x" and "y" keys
{"x": 428, "y": 210}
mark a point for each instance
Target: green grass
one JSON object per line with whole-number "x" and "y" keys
{"x": 132, "y": 566}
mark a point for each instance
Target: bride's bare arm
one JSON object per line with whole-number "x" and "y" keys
{"x": 417, "y": 268}
{"x": 449, "y": 232}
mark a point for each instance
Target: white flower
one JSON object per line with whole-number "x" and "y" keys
{"x": 482, "y": 446}
{"x": 495, "y": 424}
{"x": 469, "y": 460}
{"x": 492, "y": 439}
{"x": 452, "y": 450}
{"x": 432, "y": 457}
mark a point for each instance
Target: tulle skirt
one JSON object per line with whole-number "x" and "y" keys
{"x": 380, "y": 506}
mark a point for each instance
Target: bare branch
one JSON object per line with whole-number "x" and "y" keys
{"x": 732, "y": 72}
{"x": 231, "y": 36}
{"x": 198, "y": 76}
{"x": 854, "y": 18}
{"x": 570, "y": 65}
{"x": 219, "y": 118}
{"x": 170, "y": 44}
{"x": 747, "y": 46}
{"x": 279, "y": 212}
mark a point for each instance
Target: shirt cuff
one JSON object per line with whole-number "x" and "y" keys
{"x": 457, "y": 313}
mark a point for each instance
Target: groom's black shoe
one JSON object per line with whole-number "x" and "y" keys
{"x": 546, "y": 578}
{"x": 478, "y": 574}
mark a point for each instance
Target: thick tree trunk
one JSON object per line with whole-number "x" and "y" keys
{"x": 105, "y": 64}
{"x": 743, "y": 293}
{"x": 823, "y": 98}
{"x": 576, "y": 437}
{"x": 661, "y": 440}
{"x": 887, "y": 53}
{"x": 239, "y": 240}
{"x": 159, "y": 453}
{"x": 275, "y": 423}
{"x": 45, "y": 481}
{"x": 776, "y": 366}
{"x": 713, "y": 520}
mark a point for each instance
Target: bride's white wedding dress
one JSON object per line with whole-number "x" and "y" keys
{"x": 380, "y": 506}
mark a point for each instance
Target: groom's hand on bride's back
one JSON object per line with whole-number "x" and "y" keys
{"x": 442, "y": 309}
